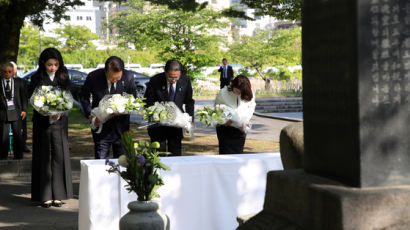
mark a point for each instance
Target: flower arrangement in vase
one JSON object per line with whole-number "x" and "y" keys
{"x": 142, "y": 164}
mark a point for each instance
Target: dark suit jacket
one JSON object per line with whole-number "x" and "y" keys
{"x": 20, "y": 101}
{"x": 229, "y": 73}
{"x": 96, "y": 86}
{"x": 157, "y": 90}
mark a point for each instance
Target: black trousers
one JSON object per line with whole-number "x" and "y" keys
{"x": 102, "y": 146}
{"x": 170, "y": 137}
{"x": 224, "y": 82}
{"x": 17, "y": 139}
{"x": 24, "y": 132}
{"x": 51, "y": 166}
{"x": 231, "y": 140}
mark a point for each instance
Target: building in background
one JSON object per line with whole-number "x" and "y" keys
{"x": 88, "y": 15}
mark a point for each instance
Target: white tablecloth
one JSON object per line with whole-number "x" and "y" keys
{"x": 200, "y": 192}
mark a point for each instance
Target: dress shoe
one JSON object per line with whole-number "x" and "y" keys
{"x": 57, "y": 203}
{"x": 46, "y": 204}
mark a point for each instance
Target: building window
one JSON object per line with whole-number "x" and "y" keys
{"x": 68, "y": 18}
{"x": 79, "y": 18}
{"x": 88, "y": 18}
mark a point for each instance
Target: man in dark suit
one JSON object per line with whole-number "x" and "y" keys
{"x": 23, "y": 121}
{"x": 13, "y": 109}
{"x": 226, "y": 73}
{"x": 171, "y": 85}
{"x": 113, "y": 79}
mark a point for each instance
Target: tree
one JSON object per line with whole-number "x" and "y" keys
{"x": 13, "y": 13}
{"x": 75, "y": 37}
{"x": 267, "y": 47}
{"x": 280, "y": 9}
{"x": 187, "y": 5}
{"x": 31, "y": 44}
{"x": 174, "y": 33}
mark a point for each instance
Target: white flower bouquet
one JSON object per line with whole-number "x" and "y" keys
{"x": 220, "y": 114}
{"x": 216, "y": 115}
{"x": 168, "y": 114}
{"x": 49, "y": 100}
{"x": 112, "y": 104}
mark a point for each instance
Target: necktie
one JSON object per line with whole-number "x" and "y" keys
{"x": 171, "y": 93}
{"x": 225, "y": 72}
{"x": 8, "y": 91}
{"x": 112, "y": 89}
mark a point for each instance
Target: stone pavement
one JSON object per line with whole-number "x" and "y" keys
{"x": 18, "y": 212}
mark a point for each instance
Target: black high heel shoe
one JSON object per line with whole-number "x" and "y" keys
{"x": 57, "y": 203}
{"x": 46, "y": 204}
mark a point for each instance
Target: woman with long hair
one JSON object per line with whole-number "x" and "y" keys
{"x": 239, "y": 96}
{"x": 51, "y": 169}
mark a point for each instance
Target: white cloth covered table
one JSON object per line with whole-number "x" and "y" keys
{"x": 200, "y": 192}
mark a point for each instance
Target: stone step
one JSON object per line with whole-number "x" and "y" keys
{"x": 279, "y": 105}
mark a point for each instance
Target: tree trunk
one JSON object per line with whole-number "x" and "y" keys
{"x": 10, "y": 27}
{"x": 266, "y": 79}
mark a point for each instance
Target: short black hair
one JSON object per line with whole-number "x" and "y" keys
{"x": 114, "y": 63}
{"x": 224, "y": 59}
{"x": 173, "y": 65}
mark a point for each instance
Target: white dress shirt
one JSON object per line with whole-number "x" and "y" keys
{"x": 173, "y": 86}
{"x": 51, "y": 76}
{"x": 109, "y": 85}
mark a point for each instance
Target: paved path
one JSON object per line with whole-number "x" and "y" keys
{"x": 17, "y": 212}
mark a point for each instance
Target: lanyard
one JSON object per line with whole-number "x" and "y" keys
{"x": 12, "y": 88}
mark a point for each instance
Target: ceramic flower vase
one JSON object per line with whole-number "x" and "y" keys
{"x": 144, "y": 215}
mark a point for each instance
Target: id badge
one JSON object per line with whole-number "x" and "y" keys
{"x": 10, "y": 105}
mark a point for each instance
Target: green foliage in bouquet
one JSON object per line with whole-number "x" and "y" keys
{"x": 161, "y": 112}
{"x": 216, "y": 115}
{"x": 135, "y": 104}
{"x": 211, "y": 116}
{"x": 142, "y": 163}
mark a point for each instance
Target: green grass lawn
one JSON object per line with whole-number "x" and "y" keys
{"x": 82, "y": 145}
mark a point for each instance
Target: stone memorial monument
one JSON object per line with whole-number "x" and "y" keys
{"x": 356, "y": 100}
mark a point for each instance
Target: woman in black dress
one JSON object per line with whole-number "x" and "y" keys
{"x": 51, "y": 169}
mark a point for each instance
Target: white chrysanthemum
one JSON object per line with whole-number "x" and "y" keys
{"x": 121, "y": 108}
{"x": 50, "y": 97}
{"x": 46, "y": 88}
{"x": 109, "y": 111}
{"x": 38, "y": 103}
{"x": 155, "y": 116}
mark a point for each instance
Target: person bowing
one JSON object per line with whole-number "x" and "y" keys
{"x": 170, "y": 85}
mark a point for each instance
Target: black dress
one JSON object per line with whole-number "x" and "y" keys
{"x": 51, "y": 167}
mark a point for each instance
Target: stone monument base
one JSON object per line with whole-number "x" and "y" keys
{"x": 298, "y": 200}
